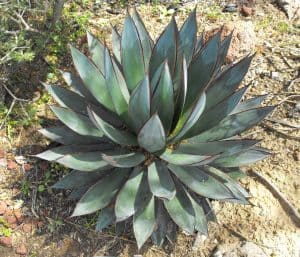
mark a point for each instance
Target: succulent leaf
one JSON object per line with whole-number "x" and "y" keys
{"x": 97, "y": 51}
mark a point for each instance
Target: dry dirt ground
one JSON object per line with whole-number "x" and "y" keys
{"x": 39, "y": 223}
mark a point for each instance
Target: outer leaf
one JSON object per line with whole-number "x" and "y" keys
{"x": 163, "y": 97}
{"x": 124, "y": 160}
{"x": 201, "y": 70}
{"x": 78, "y": 192}
{"x": 118, "y": 136}
{"x": 182, "y": 159}
{"x": 66, "y": 136}
{"x": 227, "y": 82}
{"x": 224, "y": 50}
{"x": 77, "y": 85}
{"x": 77, "y": 122}
{"x": 156, "y": 77}
{"x": 116, "y": 85}
{"x": 182, "y": 89}
{"x": 100, "y": 194}
{"x": 139, "y": 104}
{"x": 152, "y": 135}
{"x": 162, "y": 219}
{"x": 212, "y": 148}
{"x": 116, "y": 44}
{"x": 96, "y": 49}
{"x": 133, "y": 62}
{"x": 199, "y": 44}
{"x": 217, "y": 113}
{"x": 77, "y": 179}
{"x": 105, "y": 218}
{"x": 92, "y": 78}
{"x": 239, "y": 192}
{"x": 187, "y": 35}
{"x": 249, "y": 104}
{"x": 234, "y": 124}
{"x": 67, "y": 98}
{"x": 201, "y": 183}
{"x": 146, "y": 41}
{"x": 58, "y": 152}
{"x": 91, "y": 161}
{"x": 125, "y": 201}
{"x": 245, "y": 158}
{"x": 188, "y": 119}
{"x": 200, "y": 218}
{"x": 144, "y": 223}
{"x": 181, "y": 210}
{"x": 165, "y": 48}
{"x": 160, "y": 182}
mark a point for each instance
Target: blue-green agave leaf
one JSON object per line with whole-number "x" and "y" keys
{"x": 213, "y": 116}
{"x": 67, "y": 98}
{"x": 159, "y": 234}
{"x": 179, "y": 158}
{"x": 126, "y": 160}
{"x": 76, "y": 179}
{"x": 66, "y": 136}
{"x": 144, "y": 223}
{"x": 116, "y": 44}
{"x": 146, "y": 41}
{"x": 234, "y": 124}
{"x": 76, "y": 84}
{"x": 188, "y": 119}
{"x": 105, "y": 218}
{"x": 100, "y": 194}
{"x": 187, "y": 34}
{"x": 125, "y": 201}
{"x": 152, "y": 136}
{"x": 244, "y": 158}
{"x": 200, "y": 182}
{"x": 249, "y": 104}
{"x": 181, "y": 210}
{"x": 96, "y": 48}
{"x": 77, "y": 122}
{"x": 165, "y": 48}
{"x": 160, "y": 182}
{"x": 121, "y": 137}
{"x": 116, "y": 85}
{"x": 226, "y": 83}
{"x": 132, "y": 58}
{"x": 139, "y": 104}
{"x": 225, "y": 147}
{"x": 200, "y": 217}
{"x": 162, "y": 100}
{"x": 90, "y": 161}
{"x": 201, "y": 70}
{"x": 58, "y": 152}
{"x": 93, "y": 78}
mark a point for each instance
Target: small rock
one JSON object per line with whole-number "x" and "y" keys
{"x": 3, "y": 162}
{"x": 231, "y": 7}
{"x": 250, "y": 249}
{"x": 6, "y": 241}
{"x": 27, "y": 228}
{"x": 19, "y": 215}
{"x": 10, "y": 219}
{"x": 246, "y": 11}
{"x": 3, "y": 207}
{"x": 21, "y": 250}
{"x": 2, "y": 153}
{"x": 274, "y": 75}
{"x": 27, "y": 167}
{"x": 12, "y": 165}
{"x": 296, "y": 155}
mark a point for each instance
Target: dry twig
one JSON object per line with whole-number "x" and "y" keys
{"x": 287, "y": 206}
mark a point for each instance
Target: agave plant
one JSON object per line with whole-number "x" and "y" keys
{"x": 151, "y": 130}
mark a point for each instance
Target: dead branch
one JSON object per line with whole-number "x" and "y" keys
{"x": 286, "y": 205}
{"x": 288, "y": 136}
